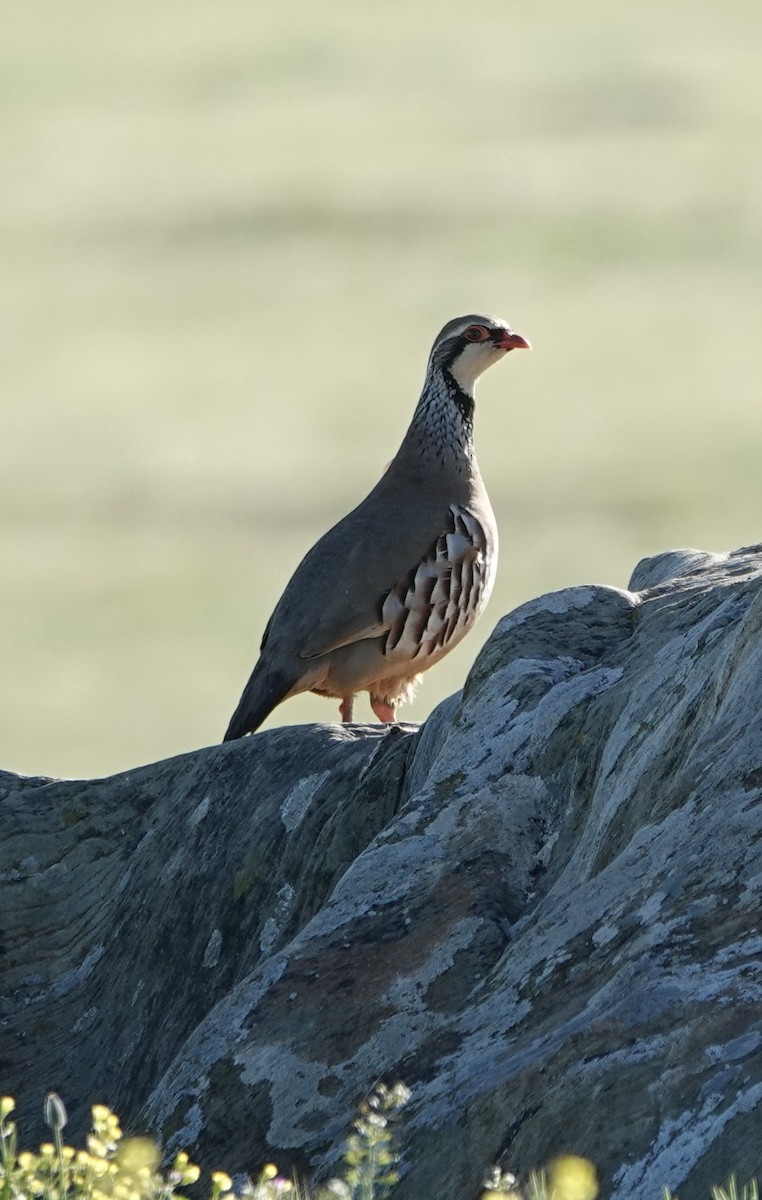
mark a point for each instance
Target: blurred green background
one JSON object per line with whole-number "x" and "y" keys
{"x": 229, "y": 233}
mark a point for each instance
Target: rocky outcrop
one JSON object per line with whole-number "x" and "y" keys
{"x": 541, "y": 911}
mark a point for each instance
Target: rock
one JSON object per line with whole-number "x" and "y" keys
{"x": 541, "y": 911}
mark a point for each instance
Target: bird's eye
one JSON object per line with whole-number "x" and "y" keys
{"x": 476, "y": 333}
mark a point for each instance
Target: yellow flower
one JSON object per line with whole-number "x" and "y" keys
{"x": 100, "y": 1112}
{"x": 26, "y": 1160}
{"x": 221, "y": 1181}
{"x": 138, "y": 1153}
{"x": 68, "y": 1152}
{"x": 191, "y": 1174}
{"x": 47, "y": 1149}
{"x": 572, "y": 1178}
{"x": 180, "y": 1161}
{"x": 269, "y": 1171}
{"x": 124, "y": 1190}
{"x": 7, "y": 1105}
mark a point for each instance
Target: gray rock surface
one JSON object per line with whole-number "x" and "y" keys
{"x": 541, "y": 911}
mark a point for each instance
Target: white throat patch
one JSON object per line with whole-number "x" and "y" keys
{"x": 472, "y": 362}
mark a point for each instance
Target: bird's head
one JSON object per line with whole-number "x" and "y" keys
{"x": 468, "y": 345}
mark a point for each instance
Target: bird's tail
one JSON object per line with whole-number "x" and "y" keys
{"x": 263, "y": 692}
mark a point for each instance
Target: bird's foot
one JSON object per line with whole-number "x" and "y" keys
{"x": 385, "y": 712}
{"x": 346, "y": 707}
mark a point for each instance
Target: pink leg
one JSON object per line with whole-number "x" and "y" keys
{"x": 345, "y": 708}
{"x": 385, "y": 712}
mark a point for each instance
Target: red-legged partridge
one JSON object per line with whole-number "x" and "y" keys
{"x": 399, "y": 581}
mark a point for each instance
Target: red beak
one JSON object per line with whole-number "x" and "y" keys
{"x": 512, "y": 341}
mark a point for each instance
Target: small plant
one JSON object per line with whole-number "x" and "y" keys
{"x": 749, "y": 1191}
{"x": 501, "y": 1185}
{"x": 117, "y": 1168}
{"x": 567, "y": 1178}
{"x": 113, "y": 1168}
{"x": 369, "y": 1157}
{"x": 109, "y": 1169}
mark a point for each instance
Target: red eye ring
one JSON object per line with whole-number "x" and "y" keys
{"x": 476, "y": 333}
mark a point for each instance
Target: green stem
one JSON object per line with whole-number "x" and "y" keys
{"x": 61, "y": 1164}
{"x": 370, "y": 1175}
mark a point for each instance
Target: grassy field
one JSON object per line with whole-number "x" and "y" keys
{"x": 228, "y": 235}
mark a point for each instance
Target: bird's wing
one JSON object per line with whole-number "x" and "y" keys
{"x": 422, "y": 605}
{"x": 360, "y": 631}
{"x": 354, "y": 627}
{"x": 346, "y": 603}
{"x": 441, "y": 598}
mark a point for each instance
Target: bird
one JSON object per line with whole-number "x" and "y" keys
{"x": 400, "y": 580}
